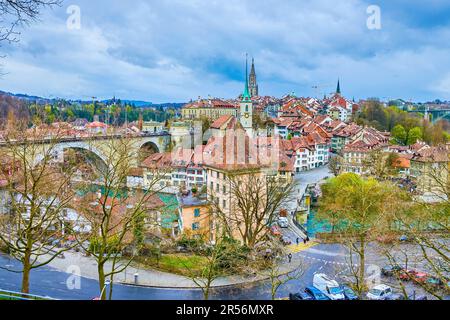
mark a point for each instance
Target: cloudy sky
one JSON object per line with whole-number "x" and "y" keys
{"x": 177, "y": 50}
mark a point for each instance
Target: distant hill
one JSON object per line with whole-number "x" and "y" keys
{"x": 137, "y": 103}
{"x": 26, "y": 97}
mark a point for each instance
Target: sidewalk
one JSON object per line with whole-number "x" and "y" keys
{"x": 154, "y": 278}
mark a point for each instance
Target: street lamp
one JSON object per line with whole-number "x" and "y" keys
{"x": 107, "y": 283}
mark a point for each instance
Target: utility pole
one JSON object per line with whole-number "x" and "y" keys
{"x": 320, "y": 87}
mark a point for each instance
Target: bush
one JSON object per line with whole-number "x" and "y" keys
{"x": 112, "y": 247}
{"x": 4, "y": 248}
{"x": 233, "y": 255}
{"x": 191, "y": 244}
{"x": 150, "y": 251}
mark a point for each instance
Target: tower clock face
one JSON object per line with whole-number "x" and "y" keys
{"x": 247, "y": 115}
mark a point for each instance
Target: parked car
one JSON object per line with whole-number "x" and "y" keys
{"x": 380, "y": 292}
{"x": 404, "y": 275}
{"x": 419, "y": 277}
{"x": 395, "y": 296}
{"x": 283, "y": 222}
{"x": 349, "y": 293}
{"x": 391, "y": 270}
{"x": 434, "y": 282}
{"x": 275, "y": 231}
{"x": 316, "y": 294}
{"x": 285, "y": 241}
{"x": 418, "y": 298}
{"x": 328, "y": 286}
{"x": 300, "y": 296}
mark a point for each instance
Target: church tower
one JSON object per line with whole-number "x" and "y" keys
{"x": 246, "y": 105}
{"x": 253, "y": 84}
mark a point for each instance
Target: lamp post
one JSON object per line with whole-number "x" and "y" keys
{"x": 107, "y": 283}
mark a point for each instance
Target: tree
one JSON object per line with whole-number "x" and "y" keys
{"x": 17, "y": 13}
{"x": 364, "y": 207}
{"x": 206, "y": 124}
{"x": 399, "y": 134}
{"x": 39, "y": 190}
{"x": 116, "y": 213}
{"x": 434, "y": 134}
{"x": 414, "y": 135}
{"x": 373, "y": 113}
{"x": 255, "y": 202}
{"x": 427, "y": 228}
{"x": 335, "y": 165}
{"x": 221, "y": 258}
{"x": 380, "y": 164}
{"x": 277, "y": 277}
{"x": 259, "y": 121}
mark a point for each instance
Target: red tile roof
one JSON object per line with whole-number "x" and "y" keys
{"x": 228, "y": 120}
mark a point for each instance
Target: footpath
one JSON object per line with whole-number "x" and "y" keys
{"x": 86, "y": 266}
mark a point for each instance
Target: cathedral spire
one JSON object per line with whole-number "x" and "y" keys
{"x": 338, "y": 90}
{"x": 253, "y": 71}
{"x": 253, "y": 84}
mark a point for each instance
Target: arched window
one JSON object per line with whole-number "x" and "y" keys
{"x": 246, "y": 108}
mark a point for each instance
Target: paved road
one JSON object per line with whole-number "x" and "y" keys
{"x": 327, "y": 258}
{"x": 304, "y": 179}
{"x": 50, "y": 282}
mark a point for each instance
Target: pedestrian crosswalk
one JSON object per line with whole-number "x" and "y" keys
{"x": 301, "y": 247}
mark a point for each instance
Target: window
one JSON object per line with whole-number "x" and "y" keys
{"x": 195, "y": 226}
{"x": 224, "y": 204}
{"x": 197, "y": 213}
{"x": 224, "y": 189}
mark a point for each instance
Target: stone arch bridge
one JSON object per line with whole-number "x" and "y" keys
{"x": 140, "y": 146}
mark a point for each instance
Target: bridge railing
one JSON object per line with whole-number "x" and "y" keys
{"x": 12, "y": 295}
{"x": 91, "y": 138}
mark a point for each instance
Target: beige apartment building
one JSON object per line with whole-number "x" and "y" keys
{"x": 210, "y": 109}
{"x": 430, "y": 170}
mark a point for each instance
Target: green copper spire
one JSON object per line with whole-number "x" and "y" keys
{"x": 338, "y": 90}
{"x": 246, "y": 96}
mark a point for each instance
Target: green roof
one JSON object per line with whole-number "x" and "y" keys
{"x": 94, "y": 188}
{"x": 169, "y": 214}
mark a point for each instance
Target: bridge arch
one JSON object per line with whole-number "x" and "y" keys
{"x": 60, "y": 148}
{"x": 146, "y": 149}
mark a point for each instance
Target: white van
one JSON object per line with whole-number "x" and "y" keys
{"x": 328, "y": 287}
{"x": 381, "y": 292}
{"x": 283, "y": 222}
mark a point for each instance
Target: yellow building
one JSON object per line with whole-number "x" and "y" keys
{"x": 210, "y": 109}
{"x": 195, "y": 217}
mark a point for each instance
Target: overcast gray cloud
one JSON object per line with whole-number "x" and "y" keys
{"x": 177, "y": 50}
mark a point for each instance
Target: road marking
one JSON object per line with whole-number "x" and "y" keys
{"x": 301, "y": 247}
